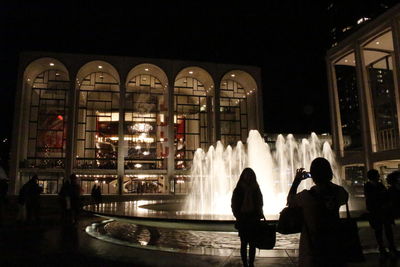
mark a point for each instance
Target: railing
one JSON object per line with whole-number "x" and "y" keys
{"x": 388, "y": 139}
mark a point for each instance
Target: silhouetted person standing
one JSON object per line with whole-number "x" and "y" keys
{"x": 3, "y": 198}
{"x": 380, "y": 214}
{"x": 393, "y": 179}
{"x": 70, "y": 198}
{"x": 247, "y": 203}
{"x": 320, "y": 244}
{"x": 96, "y": 194}
{"x": 30, "y": 194}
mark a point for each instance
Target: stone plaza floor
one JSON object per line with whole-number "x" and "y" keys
{"x": 53, "y": 244}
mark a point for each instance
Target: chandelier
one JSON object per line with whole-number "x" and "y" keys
{"x": 142, "y": 127}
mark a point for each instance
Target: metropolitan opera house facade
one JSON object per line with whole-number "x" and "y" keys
{"x": 131, "y": 125}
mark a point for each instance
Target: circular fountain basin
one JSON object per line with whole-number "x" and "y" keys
{"x": 161, "y": 225}
{"x": 214, "y": 243}
{"x": 169, "y": 214}
{"x": 162, "y": 213}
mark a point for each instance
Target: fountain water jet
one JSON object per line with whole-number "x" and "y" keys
{"x": 214, "y": 174}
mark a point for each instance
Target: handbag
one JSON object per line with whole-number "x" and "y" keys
{"x": 290, "y": 220}
{"x": 266, "y": 235}
{"x": 351, "y": 244}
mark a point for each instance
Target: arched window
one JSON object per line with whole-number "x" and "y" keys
{"x": 191, "y": 119}
{"x": 97, "y": 121}
{"x": 145, "y": 123}
{"x": 48, "y": 120}
{"x": 233, "y": 108}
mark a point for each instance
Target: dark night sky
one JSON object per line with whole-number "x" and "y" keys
{"x": 287, "y": 39}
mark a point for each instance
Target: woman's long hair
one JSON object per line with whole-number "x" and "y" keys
{"x": 247, "y": 179}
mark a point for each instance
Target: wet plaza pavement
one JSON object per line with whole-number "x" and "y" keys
{"x": 54, "y": 244}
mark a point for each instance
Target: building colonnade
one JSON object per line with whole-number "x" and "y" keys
{"x": 364, "y": 89}
{"x": 126, "y": 123}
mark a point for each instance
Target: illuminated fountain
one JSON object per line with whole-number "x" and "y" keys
{"x": 203, "y": 223}
{"x": 215, "y": 173}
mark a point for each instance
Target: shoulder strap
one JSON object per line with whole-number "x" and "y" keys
{"x": 347, "y": 210}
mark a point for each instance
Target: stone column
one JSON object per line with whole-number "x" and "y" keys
{"x": 17, "y": 140}
{"x": 217, "y": 113}
{"x": 121, "y": 141}
{"x": 337, "y": 135}
{"x": 396, "y": 67}
{"x": 259, "y": 109}
{"x": 170, "y": 134}
{"x": 366, "y": 109}
{"x": 73, "y": 109}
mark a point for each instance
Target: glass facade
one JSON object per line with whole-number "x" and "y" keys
{"x": 190, "y": 120}
{"x": 379, "y": 63}
{"x": 145, "y": 124}
{"x": 233, "y": 108}
{"x": 350, "y": 117}
{"x": 47, "y": 120}
{"x": 97, "y": 122}
{"x": 133, "y": 129}
{"x": 364, "y": 75}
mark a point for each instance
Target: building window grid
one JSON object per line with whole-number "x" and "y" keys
{"x": 382, "y": 88}
{"x": 350, "y": 117}
{"x": 190, "y": 99}
{"x": 48, "y": 106}
{"x": 233, "y": 97}
{"x": 149, "y": 88}
{"x": 98, "y": 88}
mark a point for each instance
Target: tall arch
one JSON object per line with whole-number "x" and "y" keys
{"x": 237, "y": 106}
{"x": 145, "y": 129}
{"x": 46, "y": 86}
{"x": 193, "y": 109}
{"x": 98, "y": 86}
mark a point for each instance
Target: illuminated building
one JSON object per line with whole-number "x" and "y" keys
{"x": 130, "y": 124}
{"x": 363, "y": 74}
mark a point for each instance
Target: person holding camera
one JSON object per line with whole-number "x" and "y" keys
{"x": 319, "y": 242}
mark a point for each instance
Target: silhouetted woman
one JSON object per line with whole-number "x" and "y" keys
{"x": 247, "y": 203}
{"x": 319, "y": 242}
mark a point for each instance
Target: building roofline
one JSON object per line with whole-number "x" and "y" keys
{"x": 144, "y": 59}
{"x": 366, "y": 31}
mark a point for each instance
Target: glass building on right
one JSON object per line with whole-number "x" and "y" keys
{"x": 364, "y": 92}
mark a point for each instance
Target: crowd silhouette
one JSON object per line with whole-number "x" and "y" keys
{"x": 321, "y": 241}
{"x": 324, "y": 237}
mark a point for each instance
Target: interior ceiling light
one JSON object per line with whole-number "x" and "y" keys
{"x": 190, "y": 72}
{"x": 377, "y": 42}
{"x": 142, "y": 127}
{"x": 233, "y": 75}
{"x": 51, "y": 64}
{"x": 100, "y": 67}
{"x": 345, "y": 60}
{"x": 146, "y": 69}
